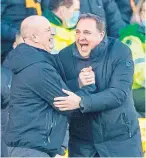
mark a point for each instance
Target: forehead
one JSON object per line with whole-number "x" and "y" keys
{"x": 45, "y": 24}
{"x": 76, "y": 4}
{"x": 87, "y": 24}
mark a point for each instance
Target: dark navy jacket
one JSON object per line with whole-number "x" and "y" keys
{"x": 34, "y": 121}
{"x": 108, "y": 121}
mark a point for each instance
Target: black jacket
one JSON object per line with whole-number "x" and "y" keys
{"x": 34, "y": 121}
{"x": 108, "y": 116}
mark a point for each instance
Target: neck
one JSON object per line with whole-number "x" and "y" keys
{"x": 36, "y": 45}
{"x": 58, "y": 15}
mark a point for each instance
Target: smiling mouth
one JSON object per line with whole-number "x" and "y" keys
{"x": 51, "y": 40}
{"x": 84, "y": 46}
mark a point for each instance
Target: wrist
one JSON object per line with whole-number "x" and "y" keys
{"x": 81, "y": 105}
{"x": 79, "y": 82}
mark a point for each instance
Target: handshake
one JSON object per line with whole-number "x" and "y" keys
{"x": 72, "y": 101}
{"x": 86, "y": 77}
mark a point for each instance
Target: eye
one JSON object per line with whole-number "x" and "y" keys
{"x": 77, "y": 32}
{"x": 87, "y": 33}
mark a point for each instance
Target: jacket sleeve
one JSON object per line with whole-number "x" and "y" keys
{"x": 50, "y": 85}
{"x": 113, "y": 18}
{"x": 119, "y": 87}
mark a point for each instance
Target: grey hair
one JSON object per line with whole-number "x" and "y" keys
{"x": 100, "y": 23}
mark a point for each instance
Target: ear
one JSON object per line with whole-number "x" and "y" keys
{"x": 34, "y": 38}
{"x": 14, "y": 45}
{"x": 102, "y": 34}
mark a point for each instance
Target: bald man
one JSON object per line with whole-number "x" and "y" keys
{"x": 36, "y": 128}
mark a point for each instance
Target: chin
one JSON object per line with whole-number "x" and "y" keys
{"x": 85, "y": 55}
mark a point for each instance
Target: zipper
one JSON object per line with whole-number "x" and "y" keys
{"x": 127, "y": 124}
{"x": 53, "y": 123}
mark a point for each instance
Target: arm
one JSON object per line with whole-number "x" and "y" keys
{"x": 113, "y": 18}
{"x": 51, "y": 86}
{"x": 119, "y": 86}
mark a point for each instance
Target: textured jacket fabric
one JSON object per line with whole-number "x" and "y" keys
{"x": 108, "y": 122}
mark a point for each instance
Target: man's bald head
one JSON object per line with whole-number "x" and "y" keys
{"x": 32, "y": 24}
{"x": 36, "y": 31}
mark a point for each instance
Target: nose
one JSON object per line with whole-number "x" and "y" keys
{"x": 81, "y": 37}
{"x": 53, "y": 31}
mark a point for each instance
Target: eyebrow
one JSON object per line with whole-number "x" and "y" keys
{"x": 84, "y": 30}
{"x": 87, "y": 30}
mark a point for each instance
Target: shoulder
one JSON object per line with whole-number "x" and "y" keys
{"x": 40, "y": 73}
{"x": 67, "y": 51}
{"x": 42, "y": 67}
{"x": 118, "y": 50}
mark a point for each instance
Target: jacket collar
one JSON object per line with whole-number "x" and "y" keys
{"x": 25, "y": 56}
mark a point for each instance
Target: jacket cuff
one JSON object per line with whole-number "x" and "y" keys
{"x": 85, "y": 104}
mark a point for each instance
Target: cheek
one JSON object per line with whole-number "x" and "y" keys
{"x": 94, "y": 42}
{"x": 144, "y": 17}
{"x": 68, "y": 14}
{"x": 77, "y": 38}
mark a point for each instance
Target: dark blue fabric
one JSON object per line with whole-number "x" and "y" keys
{"x": 125, "y": 9}
{"x": 25, "y": 152}
{"x": 5, "y": 98}
{"x": 108, "y": 116}
{"x": 108, "y": 10}
{"x": 4, "y": 121}
{"x": 35, "y": 83}
{"x": 45, "y": 4}
{"x": 12, "y": 14}
{"x": 6, "y": 76}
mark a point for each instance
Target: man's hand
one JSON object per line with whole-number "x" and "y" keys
{"x": 70, "y": 102}
{"x": 86, "y": 77}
